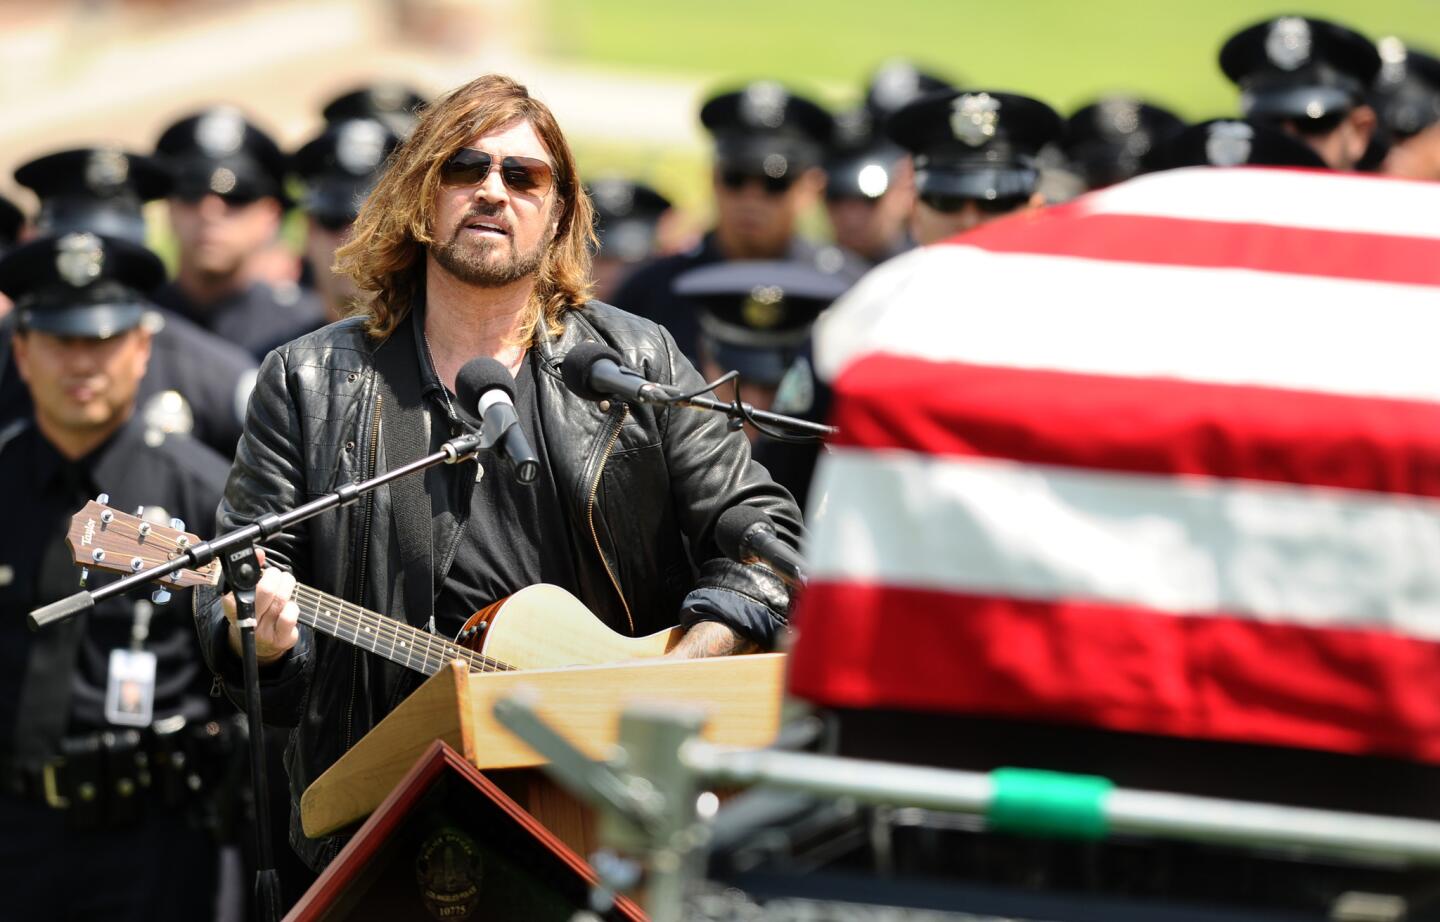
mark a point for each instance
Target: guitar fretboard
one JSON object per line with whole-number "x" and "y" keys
{"x": 375, "y": 633}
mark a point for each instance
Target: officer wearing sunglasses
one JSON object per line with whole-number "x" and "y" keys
{"x": 225, "y": 211}
{"x": 1309, "y": 77}
{"x": 974, "y": 155}
{"x": 1408, "y": 99}
{"x": 769, "y": 144}
{"x": 337, "y": 169}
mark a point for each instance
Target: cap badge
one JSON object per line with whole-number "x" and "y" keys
{"x": 762, "y": 105}
{"x": 765, "y": 307}
{"x": 1117, "y": 118}
{"x": 1392, "y": 60}
{"x": 853, "y": 128}
{"x": 894, "y": 85}
{"x": 79, "y": 258}
{"x": 1288, "y": 43}
{"x": 360, "y": 146}
{"x": 974, "y": 118}
{"x": 106, "y": 169}
{"x": 220, "y": 132}
{"x": 222, "y": 181}
{"x": 1229, "y": 143}
{"x": 389, "y": 97}
{"x": 614, "y": 196}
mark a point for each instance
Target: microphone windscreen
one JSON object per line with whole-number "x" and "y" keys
{"x": 734, "y": 523}
{"x": 478, "y": 376}
{"x": 575, "y": 369}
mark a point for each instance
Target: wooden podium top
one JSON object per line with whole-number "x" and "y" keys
{"x": 741, "y": 695}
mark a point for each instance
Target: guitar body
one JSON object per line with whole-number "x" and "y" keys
{"x": 545, "y": 627}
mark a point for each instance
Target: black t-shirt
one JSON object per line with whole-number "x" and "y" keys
{"x": 514, "y": 535}
{"x": 175, "y": 478}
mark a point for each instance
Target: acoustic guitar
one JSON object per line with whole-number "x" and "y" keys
{"x": 539, "y": 627}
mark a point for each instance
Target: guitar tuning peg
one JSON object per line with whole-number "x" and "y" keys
{"x": 103, "y": 499}
{"x": 177, "y": 524}
{"x": 139, "y": 512}
{"x": 160, "y": 596}
{"x": 85, "y": 574}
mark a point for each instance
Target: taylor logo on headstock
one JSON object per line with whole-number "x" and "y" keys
{"x": 107, "y": 539}
{"x": 448, "y": 871}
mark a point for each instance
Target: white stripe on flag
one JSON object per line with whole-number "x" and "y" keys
{"x": 1223, "y": 326}
{"x": 1281, "y": 198}
{"x": 1320, "y": 557}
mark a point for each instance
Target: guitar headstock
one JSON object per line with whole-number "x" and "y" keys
{"x": 108, "y": 539}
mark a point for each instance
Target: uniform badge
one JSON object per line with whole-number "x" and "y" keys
{"x": 762, "y": 105}
{"x": 106, "y": 170}
{"x": 220, "y": 132}
{"x": 1229, "y": 143}
{"x": 168, "y": 412}
{"x": 974, "y": 118}
{"x": 765, "y": 307}
{"x": 7, "y": 575}
{"x": 796, "y": 393}
{"x": 79, "y": 258}
{"x": 449, "y": 873}
{"x": 360, "y": 146}
{"x": 1288, "y": 43}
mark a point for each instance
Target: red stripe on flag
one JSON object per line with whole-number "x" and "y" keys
{"x": 1120, "y": 668}
{"x": 1069, "y": 230}
{"x": 1154, "y": 426}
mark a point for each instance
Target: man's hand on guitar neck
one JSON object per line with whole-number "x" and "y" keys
{"x": 277, "y": 618}
{"x": 710, "y": 638}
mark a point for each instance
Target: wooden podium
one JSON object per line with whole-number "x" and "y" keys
{"x": 741, "y": 695}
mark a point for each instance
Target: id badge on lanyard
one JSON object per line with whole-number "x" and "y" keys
{"x": 130, "y": 685}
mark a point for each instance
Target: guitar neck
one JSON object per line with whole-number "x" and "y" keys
{"x": 394, "y": 640}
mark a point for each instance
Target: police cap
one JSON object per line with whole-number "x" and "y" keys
{"x": 975, "y": 144}
{"x": 1293, "y": 67}
{"x": 1108, "y": 140}
{"x": 1233, "y": 142}
{"x": 1408, "y": 88}
{"x": 764, "y": 129}
{"x": 80, "y": 284}
{"x": 394, "y": 104}
{"x": 99, "y": 189}
{"x": 861, "y": 164}
{"x": 896, "y": 84}
{"x": 626, "y": 215}
{"x": 340, "y": 166}
{"x": 219, "y": 151}
{"x": 755, "y": 315}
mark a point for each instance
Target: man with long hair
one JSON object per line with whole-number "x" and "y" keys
{"x": 476, "y": 242}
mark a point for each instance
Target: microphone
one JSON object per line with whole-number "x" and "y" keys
{"x": 594, "y": 371}
{"x": 484, "y": 385}
{"x": 745, "y": 533}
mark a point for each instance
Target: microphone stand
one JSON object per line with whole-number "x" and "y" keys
{"x": 740, "y": 412}
{"x": 236, "y": 551}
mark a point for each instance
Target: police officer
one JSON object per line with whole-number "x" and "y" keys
{"x": 769, "y": 144}
{"x": 1233, "y": 142}
{"x": 102, "y": 716}
{"x": 393, "y": 104}
{"x": 1407, "y": 96}
{"x": 628, "y": 215}
{"x": 225, "y": 211}
{"x": 1108, "y": 140}
{"x": 197, "y": 383}
{"x": 1311, "y": 78}
{"x": 338, "y": 169}
{"x": 12, "y": 219}
{"x": 869, "y": 188}
{"x": 974, "y": 154}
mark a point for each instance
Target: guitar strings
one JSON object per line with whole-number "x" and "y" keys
{"x": 355, "y": 617}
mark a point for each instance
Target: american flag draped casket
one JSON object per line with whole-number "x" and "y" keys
{"x": 1165, "y": 459}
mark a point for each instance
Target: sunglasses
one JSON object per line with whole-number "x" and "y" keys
{"x": 735, "y": 180}
{"x": 469, "y": 167}
{"x": 950, "y": 204}
{"x": 233, "y": 199}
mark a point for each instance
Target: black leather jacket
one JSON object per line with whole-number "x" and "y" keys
{"x": 643, "y": 488}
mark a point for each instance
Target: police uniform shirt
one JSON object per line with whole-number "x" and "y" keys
{"x": 648, "y": 292}
{"x": 257, "y": 319}
{"x": 176, "y": 477}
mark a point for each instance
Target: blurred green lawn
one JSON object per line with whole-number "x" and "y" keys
{"x": 1063, "y": 51}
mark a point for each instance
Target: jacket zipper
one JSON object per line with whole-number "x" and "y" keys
{"x": 360, "y": 575}
{"x": 590, "y": 513}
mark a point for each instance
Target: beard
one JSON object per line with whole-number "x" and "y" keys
{"x": 474, "y": 260}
